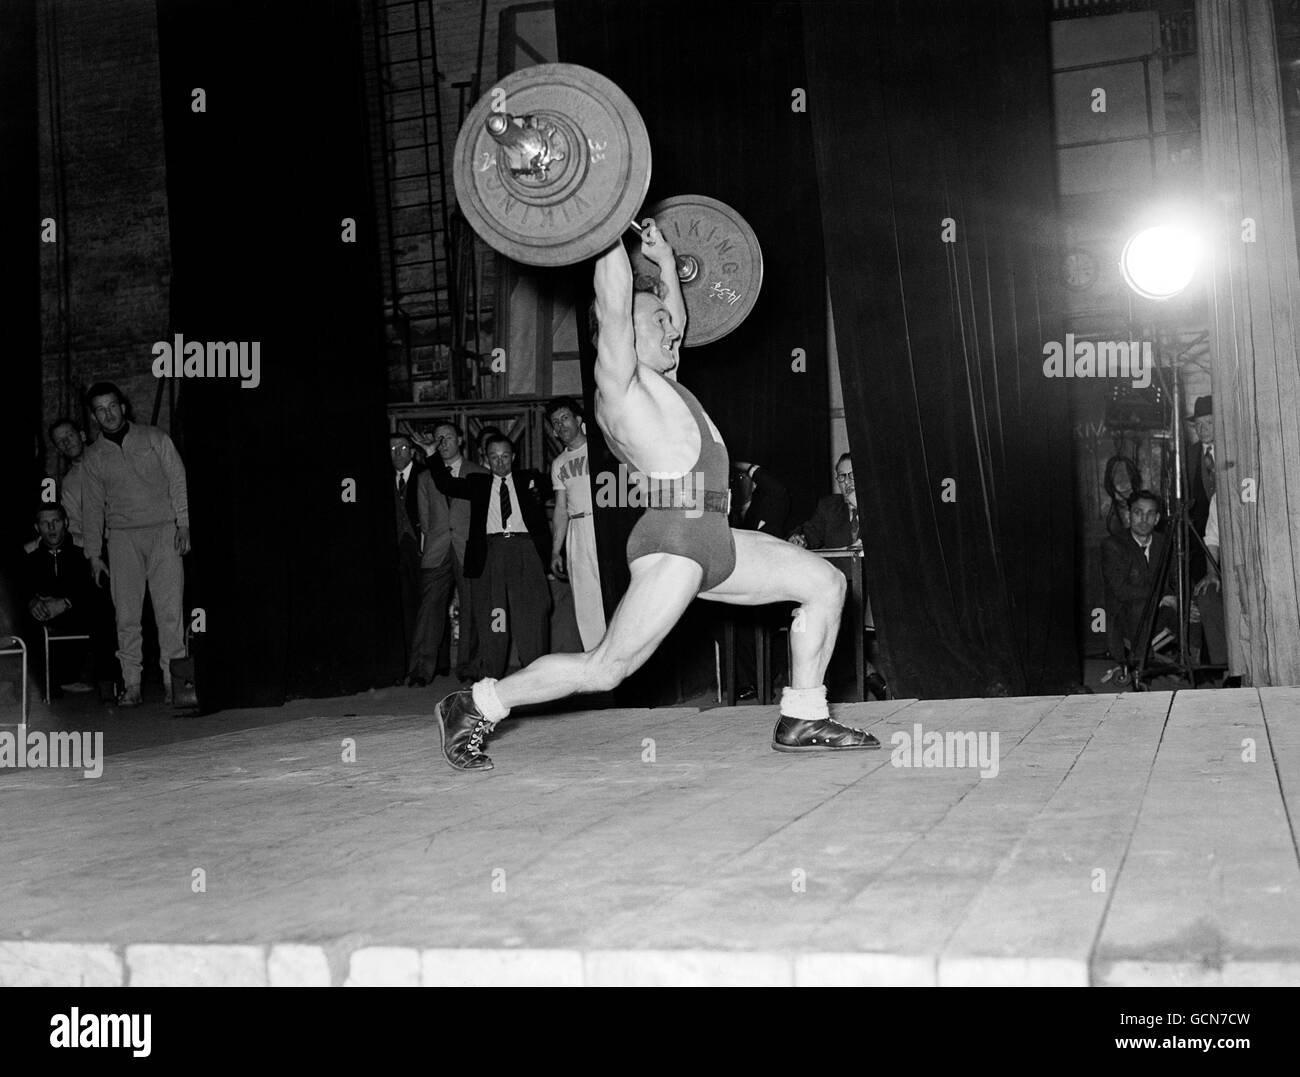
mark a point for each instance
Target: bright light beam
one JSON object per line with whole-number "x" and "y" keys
{"x": 1159, "y": 262}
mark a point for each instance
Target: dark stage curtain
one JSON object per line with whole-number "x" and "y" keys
{"x": 21, "y": 438}
{"x": 922, "y": 111}
{"x": 714, "y": 87}
{"x": 298, "y": 585}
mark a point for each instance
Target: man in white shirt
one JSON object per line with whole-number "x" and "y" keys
{"x": 573, "y": 531}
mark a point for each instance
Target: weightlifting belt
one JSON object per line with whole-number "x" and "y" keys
{"x": 675, "y": 497}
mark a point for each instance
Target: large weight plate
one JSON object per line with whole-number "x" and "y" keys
{"x": 598, "y": 175}
{"x": 728, "y": 263}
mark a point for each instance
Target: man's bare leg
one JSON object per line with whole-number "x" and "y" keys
{"x": 662, "y": 586}
{"x": 769, "y": 570}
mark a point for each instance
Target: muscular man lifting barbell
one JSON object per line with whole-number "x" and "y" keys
{"x": 681, "y": 547}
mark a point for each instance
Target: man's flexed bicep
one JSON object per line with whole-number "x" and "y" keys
{"x": 615, "y": 342}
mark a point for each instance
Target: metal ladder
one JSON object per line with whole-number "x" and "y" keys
{"x": 422, "y": 297}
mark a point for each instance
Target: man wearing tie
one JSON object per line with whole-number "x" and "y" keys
{"x": 1200, "y": 480}
{"x": 411, "y": 493}
{"x": 1130, "y": 566}
{"x": 505, "y": 557}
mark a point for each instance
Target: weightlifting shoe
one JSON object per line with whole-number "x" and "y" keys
{"x": 463, "y": 731}
{"x": 819, "y": 735}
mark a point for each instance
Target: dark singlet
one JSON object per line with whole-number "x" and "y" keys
{"x": 688, "y": 516}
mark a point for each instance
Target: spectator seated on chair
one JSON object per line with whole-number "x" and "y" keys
{"x": 1130, "y": 565}
{"x": 60, "y": 596}
{"x": 834, "y": 524}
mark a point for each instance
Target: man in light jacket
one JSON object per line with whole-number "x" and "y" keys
{"x": 135, "y": 487}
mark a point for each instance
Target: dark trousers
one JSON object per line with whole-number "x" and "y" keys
{"x": 431, "y": 623}
{"x": 408, "y": 580}
{"x": 1216, "y": 640}
{"x": 467, "y": 645}
{"x": 512, "y": 602}
{"x": 1123, "y": 621}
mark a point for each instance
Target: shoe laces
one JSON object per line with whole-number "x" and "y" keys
{"x": 475, "y": 744}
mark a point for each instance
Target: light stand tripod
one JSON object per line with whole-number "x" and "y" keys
{"x": 1175, "y": 555}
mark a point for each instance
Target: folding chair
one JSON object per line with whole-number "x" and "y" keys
{"x": 14, "y": 645}
{"x": 51, "y": 638}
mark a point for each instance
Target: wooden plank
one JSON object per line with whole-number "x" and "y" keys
{"x": 860, "y": 849}
{"x": 1209, "y": 891}
{"x": 1036, "y": 921}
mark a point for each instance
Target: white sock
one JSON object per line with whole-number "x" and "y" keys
{"x": 487, "y": 701}
{"x": 805, "y": 704}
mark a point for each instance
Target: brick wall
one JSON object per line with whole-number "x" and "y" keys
{"x": 99, "y": 80}
{"x": 105, "y": 287}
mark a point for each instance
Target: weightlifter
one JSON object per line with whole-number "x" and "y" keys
{"x": 681, "y": 547}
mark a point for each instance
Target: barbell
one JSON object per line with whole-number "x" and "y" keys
{"x": 552, "y": 163}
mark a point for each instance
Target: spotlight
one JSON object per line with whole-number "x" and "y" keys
{"x": 1160, "y": 262}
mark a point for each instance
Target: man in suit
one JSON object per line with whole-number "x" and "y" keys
{"x": 835, "y": 522}
{"x": 759, "y": 499}
{"x": 1129, "y": 566}
{"x": 505, "y": 557}
{"x": 448, "y": 444}
{"x": 1200, "y": 481}
{"x": 411, "y": 504}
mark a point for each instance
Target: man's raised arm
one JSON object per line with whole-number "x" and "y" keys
{"x": 448, "y": 485}
{"x": 615, "y": 343}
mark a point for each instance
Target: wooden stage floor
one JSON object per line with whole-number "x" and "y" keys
{"x": 1139, "y": 839}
